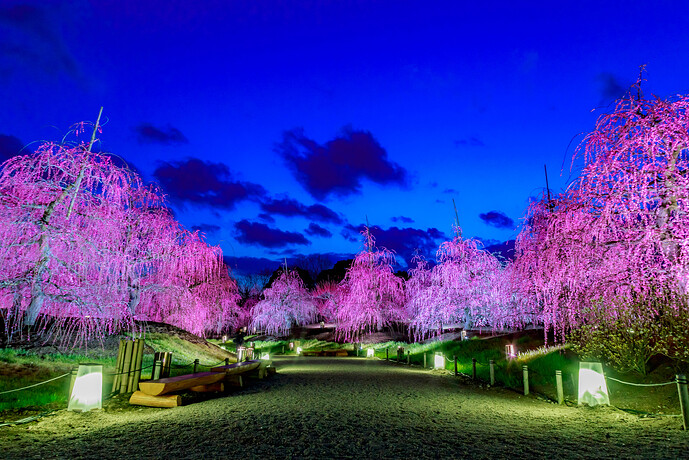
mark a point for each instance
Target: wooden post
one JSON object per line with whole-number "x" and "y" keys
{"x": 167, "y": 362}
{"x": 424, "y": 360}
{"x": 196, "y": 365}
{"x": 227, "y": 361}
{"x": 157, "y": 369}
{"x": 139, "y": 363}
{"x": 118, "y": 368}
{"x": 492, "y": 372}
{"x": 387, "y": 354}
{"x": 473, "y": 368}
{"x": 558, "y": 382}
{"x": 525, "y": 371}
{"x": 132, "y": 366}
{"x": 683, "y": 398}
{"x": 124, "y": 377}
{"x": 456, "y": 373}
{"x": 408, "y": 359}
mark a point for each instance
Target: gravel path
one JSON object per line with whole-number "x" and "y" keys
{"x": 351, "y": 408}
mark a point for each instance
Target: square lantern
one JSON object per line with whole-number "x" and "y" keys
{"x": 87, "y": 392}
{"x": 298, "y": 351}
{"x": 464, "y": 334}
{"x": 439, "y": 361}
{"x": 592, "y": 387}
{"x": 370, "y": 353}
{"x": 510, "y": 351}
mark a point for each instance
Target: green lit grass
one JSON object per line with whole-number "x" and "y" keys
{"x": 20, "y": 368}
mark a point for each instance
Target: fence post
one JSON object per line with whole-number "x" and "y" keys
{"x": 196, "y": 365}
{"x": 492, "y": 372}
{"x": 456, "y": 373}
{"x": 473, "y": 368}
{"x": 558, "y": 381}
{"x": 227, "y": 361}
{"x": 424, "y": 360}
{"x": 157, "y": 369}
{"x": 408, "y": 360}
{"x": 525, "y": 371}
{"x": 683, "y": 398}
{"x": 387, "y": 354}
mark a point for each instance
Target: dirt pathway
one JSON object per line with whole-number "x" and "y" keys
{"x": 351, "y": 408}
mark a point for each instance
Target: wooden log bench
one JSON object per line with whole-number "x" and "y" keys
{"x": 180, "y": 382}
{"x": 233, "y": 372}
{"x": 156, "y": 393}
{"x": 339, "y": 352}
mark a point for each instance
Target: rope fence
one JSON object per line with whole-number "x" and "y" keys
{"x": 680, "y": 381}
{"x": 641, "y": 384}
{"x": 37, "y": 384}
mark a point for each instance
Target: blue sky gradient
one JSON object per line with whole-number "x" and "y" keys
{"x": 278, "y": 128}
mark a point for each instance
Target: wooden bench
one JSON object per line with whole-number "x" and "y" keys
{"x": 155, "y": 393}
{"x": 180, "y": 382}
{"x": 233, "y": 372}
{"x": 340, "y": 352}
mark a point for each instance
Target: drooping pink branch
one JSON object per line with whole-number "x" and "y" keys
{"x": 373, "y": 296}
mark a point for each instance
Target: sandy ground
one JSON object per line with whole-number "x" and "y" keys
{"x": 351, "y": 408}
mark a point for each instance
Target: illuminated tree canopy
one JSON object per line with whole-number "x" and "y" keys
{"x": 285, "y": 304}
{"x": 604, "y": 252}
{"x": 468, "y": 286}
{"x": 84, "y": 242}
{"x": 373, "y": 296}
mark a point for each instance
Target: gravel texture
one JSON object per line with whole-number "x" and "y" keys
{"x": 350, "y": 408}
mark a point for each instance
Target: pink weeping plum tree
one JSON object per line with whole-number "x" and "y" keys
{"x": 328, "y": 298}
{"x": 609, "y": 258}
{"x": 468, "y": 285}
{"x": 85, "y": 245}
{"x": 373, "y": 297}
{"x": 285, "y": 304}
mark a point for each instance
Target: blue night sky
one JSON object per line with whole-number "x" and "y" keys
{"x": 278, "y": 127}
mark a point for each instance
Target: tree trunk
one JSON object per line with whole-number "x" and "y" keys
{"x": 37, "y": 293}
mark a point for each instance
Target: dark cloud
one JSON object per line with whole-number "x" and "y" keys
{"x": 10, "y": 146}
{"x": 317, "y": 230}
{"x": 261, "y": 235}
{"x": 485, "y": 242}
{"x": 149, "y": 134}
{"x": 503, "y": 251}
{"x": 242, "y": 266}
{"x": 403, "y": 219}
{"x": 206, "y": 228}
{"x": 266, "y": 217}
{"x": 314, "y": 263}
{"x": 289, "y": 207}
{"x": 404, "y": 241}
{"x": 31, "y": 39}
{"x": 339, "y": 166}
{"x": 199, "y": 182}
{"x": 497, "y": 219}
{"x": 610, "y": 88}
{"x": 471, "y": 141}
